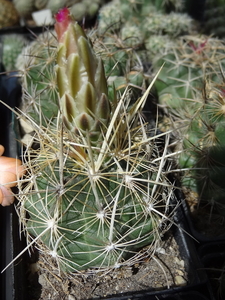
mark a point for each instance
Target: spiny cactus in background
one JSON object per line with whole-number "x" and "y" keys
{"x": 145, "y": 15}
{"x": 157, "y": 44}
{"x": 198, "y": 119}
{"x": 132, "y": 24}
{"x": 186, "y": 63}
{"x": 123, "y": 65}
{"x": 12, "y": 46}
{"x": 204, "y": 147}
{"x": 96, "y": 189}
{"x": 85, "y": 8}
{"x": 173, "y": 24}
{"x": 36, "y": 66}
{"x": 9, "y": 15}
{"x": 55, "y": 5}
{"x": 127, "y": 25}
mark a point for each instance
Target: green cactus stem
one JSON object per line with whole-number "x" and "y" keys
{"x": 93, "y": 204}
{"x": 204, "y": 148}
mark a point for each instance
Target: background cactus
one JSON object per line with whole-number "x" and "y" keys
{"x": 39, "y": 85}
{"x": 85, "y": 8}
{"x": 93, "y": 204}
{"x": 186, "y": 63}
{"x": 130, "y": 26}
{"x": 150, "y": 17}
{"x": 123, "y": 65}
{"x": 204, "y": 147}
{"x": 12, "y": 46}
{"x": 54, "y": 6}
{"x": 190, "y": 87}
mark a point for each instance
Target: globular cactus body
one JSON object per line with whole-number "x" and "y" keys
{"x": 186, "y": 63}
{"x": 39, "y": 83}
{"x": 96, "y": 189}
{"x": 189, "y": 87}
{"x": 12, "y": 47}
{"x": 204, "y": 147}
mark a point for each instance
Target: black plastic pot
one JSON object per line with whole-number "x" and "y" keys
{"x": 192, "y": 295}
{"x": 198, "y": 235}
{"x": 213, "y": 259}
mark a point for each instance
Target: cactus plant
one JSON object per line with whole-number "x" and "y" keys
{"x": 132, "y": 24}
{"x": 190, "y": 88}
{"x": 85, "y": 8}
{"x": 12, "y": 46}
{"x": 204, "y": 148}
{"x": 96, "y": 189}
{"x": 186, "y": 63}
{"x": 55, "y": 5}
{"x": 39, "y": 83}
{"x": 144, "y": 14}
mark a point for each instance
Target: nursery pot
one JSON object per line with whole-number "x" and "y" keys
{"x": 213, "y": 259}
{"x": 211, "y": 230}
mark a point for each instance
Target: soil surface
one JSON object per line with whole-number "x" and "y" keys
{"x": 164, "y": 270}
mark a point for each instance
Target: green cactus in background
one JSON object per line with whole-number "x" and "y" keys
{"x": 129, "y": 27}
{"x": 191, "y": 66}
{"x": 12, "y": 46}
{"x": 173, "y": 24}
{"x": 86, "y": 8}
{"x": 122, "y": 64}
{"x": 145, "y": 15}
{"x": 96, "y": 190}
{"x": 158, "y": 44}
{"x": 204, "y": 147}
{"x": 55, "y": 5}
{"x": 186, "y": 63}
{"x": 39, "y": 85}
